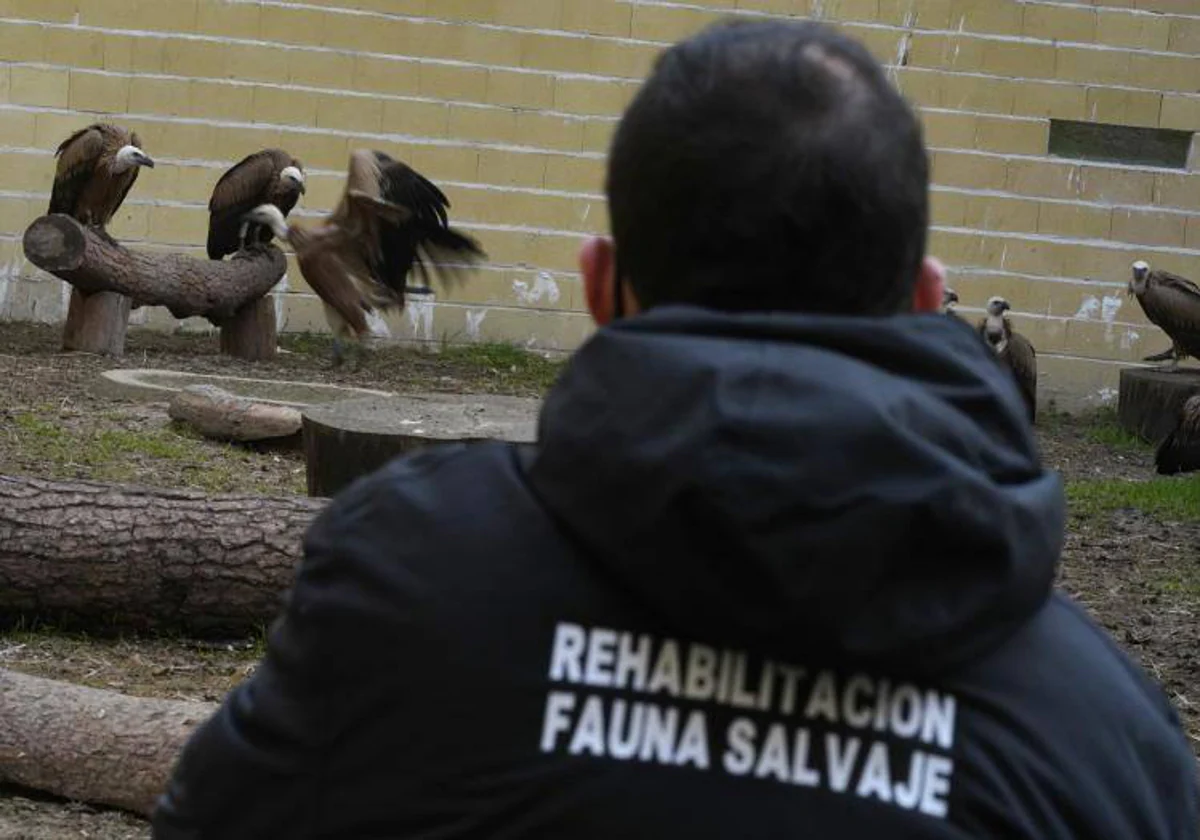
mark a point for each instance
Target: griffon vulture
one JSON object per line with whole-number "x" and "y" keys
{"x": 271, "y": 176}
{"x": 1172, "y": 303}
{"x": 949, "y": 298}
{"x": 1012, "y": 349}
{"x": 1180, "y": 450}
{"x": 390, "y": 220}
{"x": 97, "y": 167}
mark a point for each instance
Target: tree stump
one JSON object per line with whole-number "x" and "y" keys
{"x": 97, "y": 323}
{"x": 229, "y": 293}
{"x": 1149, "y": 400}
{"x": 89, "y": 744}
{"x": 110, "y": 557}
{"x": 351, "y": 438}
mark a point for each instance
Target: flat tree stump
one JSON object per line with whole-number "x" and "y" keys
{"x": 218, "y": 414}
{"x": 1149, "y": 400}
{"x": 89, "y": 744}
{"x": 351, "y": 438}
{"x": 229, "y": 293}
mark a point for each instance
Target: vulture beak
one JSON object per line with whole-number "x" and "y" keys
{"x": 145, "y": 160}
{"x": 303, "y": 189}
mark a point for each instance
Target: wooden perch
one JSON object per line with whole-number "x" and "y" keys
{"x": 91, "y": 745}
{"x": 106, "y": 557}
{"x": 229, "y": 293}
{"x": 218, "y": 414}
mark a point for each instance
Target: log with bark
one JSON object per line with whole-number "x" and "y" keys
{"x": 1149, "y": 399}
{"x": 89, "y": 744}
{"x": 218, "y": 414}
{"x": 107, "y": 558}
{"x": 229, "y": 293}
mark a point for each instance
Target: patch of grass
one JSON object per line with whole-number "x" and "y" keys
{"x": 1175, "y": 499}
{"x": 63, "y": 449}
{"x": 1102, "y": 427}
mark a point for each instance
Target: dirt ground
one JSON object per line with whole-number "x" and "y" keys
{"x": 1130, "y": 554}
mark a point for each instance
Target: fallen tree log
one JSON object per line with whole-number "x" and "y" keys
{"x": 218, "y": 414}
{"x": 106, "y": 558}
{"x": 89, "y": 744}
{"x": 229, "y": 293}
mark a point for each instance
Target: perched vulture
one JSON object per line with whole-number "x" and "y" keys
{"x": 949, "y": 298}
{"x": 1172, "y": 303}
{"x": 1180, "y": 451}
{"x": 271, "y": 176}
{"x": 1012, "y": 349}
{"x": 97, "y": 167}
{"x": 390, "y": 220}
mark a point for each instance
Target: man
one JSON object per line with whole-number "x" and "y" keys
{"x": 780, "y": 565}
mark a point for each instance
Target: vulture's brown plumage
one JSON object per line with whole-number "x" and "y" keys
{"x": 1171, "y": 303}
{"x": 1179, "y": 451}
{"x": 97, "y": 167}
{"x": 389, "y": 221}
{"x": 271, "y": 176}
{"x": 1012, "y": 349}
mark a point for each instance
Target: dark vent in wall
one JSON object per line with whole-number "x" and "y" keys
{"x": 1120, "y": 143}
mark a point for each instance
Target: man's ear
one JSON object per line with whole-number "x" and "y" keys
{"x": 931, "y": 281}
{"x": 596, "y": 265}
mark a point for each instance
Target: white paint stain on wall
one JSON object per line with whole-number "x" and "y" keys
{"x": 1105, "y": 396}
{"x": 474, "y": 322}
{"x": 1089, "y": 308}
{"x": 543, "y": 286}
{"x": 1129, "y": 338}
{"x": 281, "y": 289}
{"x": 420, "y": 318}
{"x": 378, "y": 327}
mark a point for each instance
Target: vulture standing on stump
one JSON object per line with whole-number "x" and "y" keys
{"x": 271, "y": 176}
{"x": 1180, "y": 451}
{"x": 390, "y": 220}
{"x": 1012, "y": 349}
{"x": 97, "y": 167}
{"x": 1171, "y": 303}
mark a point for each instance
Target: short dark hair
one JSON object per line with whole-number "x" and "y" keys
{"x": 769, "y": 165}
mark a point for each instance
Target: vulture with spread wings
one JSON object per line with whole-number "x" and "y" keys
{"x": 97, "y": 167}
{"x": 1172, "y": 303}
{"x": 270, "y": 176}
{"x": 1013, "y": 350}
{"x": 389, "y": 221}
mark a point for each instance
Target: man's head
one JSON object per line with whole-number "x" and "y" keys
{"x": 767, "y": 166}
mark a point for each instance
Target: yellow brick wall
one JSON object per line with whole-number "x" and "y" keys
{"x": 509, "y": 105}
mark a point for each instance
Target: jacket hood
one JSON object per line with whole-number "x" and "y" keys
{"x": 814, "y": 486}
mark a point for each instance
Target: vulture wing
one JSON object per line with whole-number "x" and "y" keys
{"x": 1180, "y": 450}
{"x": 1022, "y": 360}
{"x": 1173, "y": 303}
{"x": 243, "y": 187}
{"x": 77, "y": 159}
{"x": 337, "y": 281}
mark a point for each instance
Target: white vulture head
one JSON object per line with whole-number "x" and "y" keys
{"x": 270, "y": 215}
{"x": 294, "y": 175}
{"x": 130, "y": 156}
{"x": 997, "y": 306}
{"x": 1141, "y": 275}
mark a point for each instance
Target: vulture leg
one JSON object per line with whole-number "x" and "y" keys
{"x": 338, "y": 354}
{"x": 1161, "y": 357}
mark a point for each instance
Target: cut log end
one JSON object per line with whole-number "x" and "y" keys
{"x": 55, "y": 243}
{"x": 346, "y": 440}
{"x": 1149, "y": 400}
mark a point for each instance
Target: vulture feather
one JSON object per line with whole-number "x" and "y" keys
{"x": 390, "y": 220}
{"x": 97, "y": 167}
{"x": 270, "y": 176}
{"x": 1012, "y": 349}
{"x": 1171, "y": 303}
{"x": 1180, "y": 450}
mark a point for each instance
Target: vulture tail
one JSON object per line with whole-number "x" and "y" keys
{"x": 1178, "y": 453}
{"x": 1161, "y": 357}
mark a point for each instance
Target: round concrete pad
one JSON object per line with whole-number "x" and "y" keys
{"x": 433, "y": 416}
{"x": 158, "y": 385}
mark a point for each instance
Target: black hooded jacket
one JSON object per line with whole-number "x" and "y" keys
{"x": 762, "y": 576}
